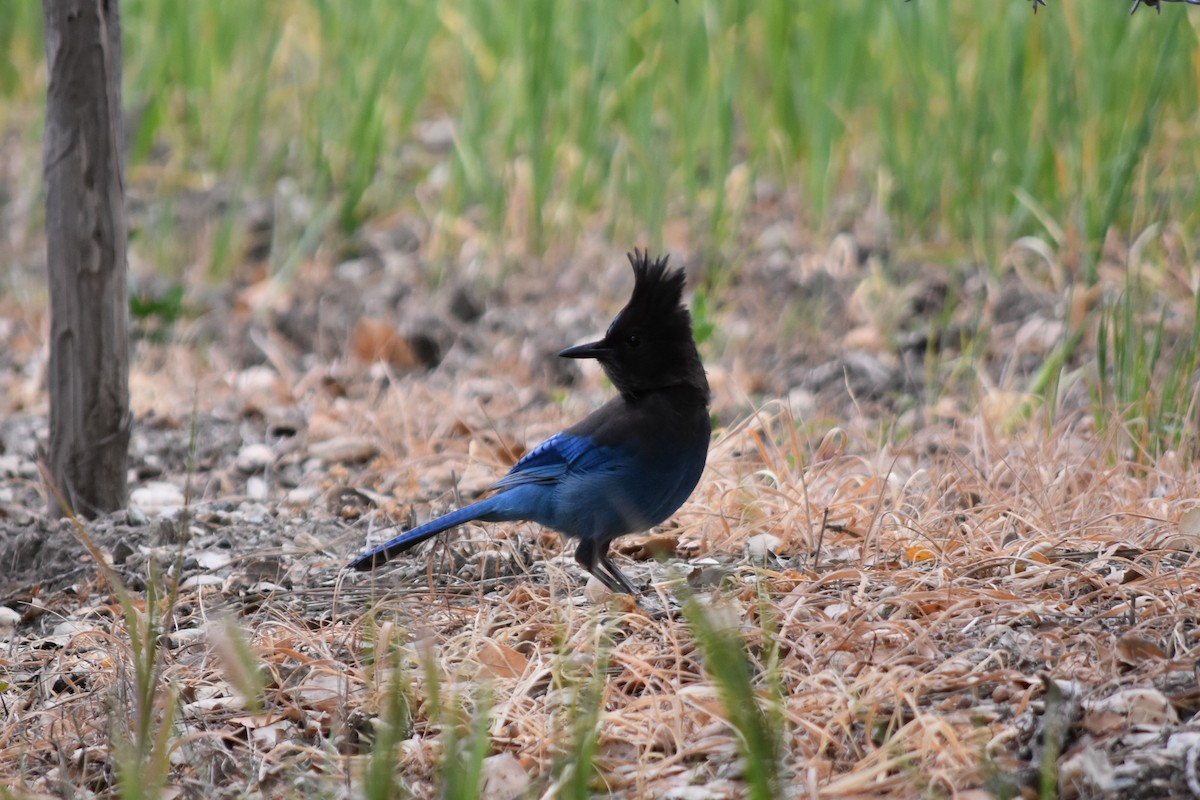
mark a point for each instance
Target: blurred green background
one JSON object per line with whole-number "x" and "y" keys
{"x": 966, "y": 124}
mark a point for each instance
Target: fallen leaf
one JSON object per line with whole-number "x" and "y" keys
{"x": 1188, "y": 538}
{"x": 649, "y": 548}
{"x": 1086, "y": 773}
{"x": 916, "y": 552}
{"x": 202, "y": 708}
{"x": 323, "y": 691}
{"x": 1134, "y": 650}
{"x": 377, "y": 340}
{"x": 1118, "y": 711}
{"x": 265, "y": 730}
{"x": 501, "y": 662}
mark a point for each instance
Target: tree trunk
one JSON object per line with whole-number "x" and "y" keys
{"x": 85, "y": 254}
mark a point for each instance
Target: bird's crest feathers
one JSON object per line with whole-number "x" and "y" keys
{"x": 657, "y": 291}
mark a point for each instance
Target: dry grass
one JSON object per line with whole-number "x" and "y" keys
{"x": 916, "y": 597}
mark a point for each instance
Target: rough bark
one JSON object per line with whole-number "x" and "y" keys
{"x": 86, "y": 261}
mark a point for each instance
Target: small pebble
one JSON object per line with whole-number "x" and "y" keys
{"x": 708, "y": 576}
{"x": 257, "y": 488}
{"x": 9, "y": 620}
{"x": 763, "y": 545}
{"x": 213, "y": 559}
{"x": 203, "y": 579}
{"x": 344, "y": 449}
{"x": 10, "y": 465}
{"x": 596, "y": 591}
{"x": 253, "y": 513}
{"x": 121, "y": 552}
{"x": 255, "y": 458}
{"x": 301, "y": 497}
{"x": 157, "y": 497}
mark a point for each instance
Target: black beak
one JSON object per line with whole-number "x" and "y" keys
{"x": 598, "y": 349}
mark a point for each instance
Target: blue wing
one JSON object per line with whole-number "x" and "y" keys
{"x": 554, "y": 458}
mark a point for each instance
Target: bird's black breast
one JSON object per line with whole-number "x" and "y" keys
{"x": 667, "y": 419}
{"x": 663, "y": 439}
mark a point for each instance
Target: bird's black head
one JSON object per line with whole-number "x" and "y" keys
{"x": 649, "y": 344}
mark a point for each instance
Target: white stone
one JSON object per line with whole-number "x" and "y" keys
{"x": 9, "y": 620}
{"x": 157, "y": 497}
{"x": 763, "y": 545}
{"x": 257, "y": 488}
{"x": 255, "y": 457}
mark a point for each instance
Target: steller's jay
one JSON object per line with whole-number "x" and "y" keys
{"x": 631, "y": 463}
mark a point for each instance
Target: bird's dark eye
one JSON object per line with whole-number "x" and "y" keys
{"x": 633, "y": 340}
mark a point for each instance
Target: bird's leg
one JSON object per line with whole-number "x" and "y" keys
{"x": 599, "y": 564}
{"x": 606, "y": 563}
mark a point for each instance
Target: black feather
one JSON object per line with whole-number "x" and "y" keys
{"x": 649, "y": 346}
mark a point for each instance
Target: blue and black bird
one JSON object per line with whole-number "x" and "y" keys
{"x": 631, "y": 463}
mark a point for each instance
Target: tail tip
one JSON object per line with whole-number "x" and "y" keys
{"x": 368, "y": 562}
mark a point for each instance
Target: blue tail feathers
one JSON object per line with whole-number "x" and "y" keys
{"x": 378, "y": 556}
